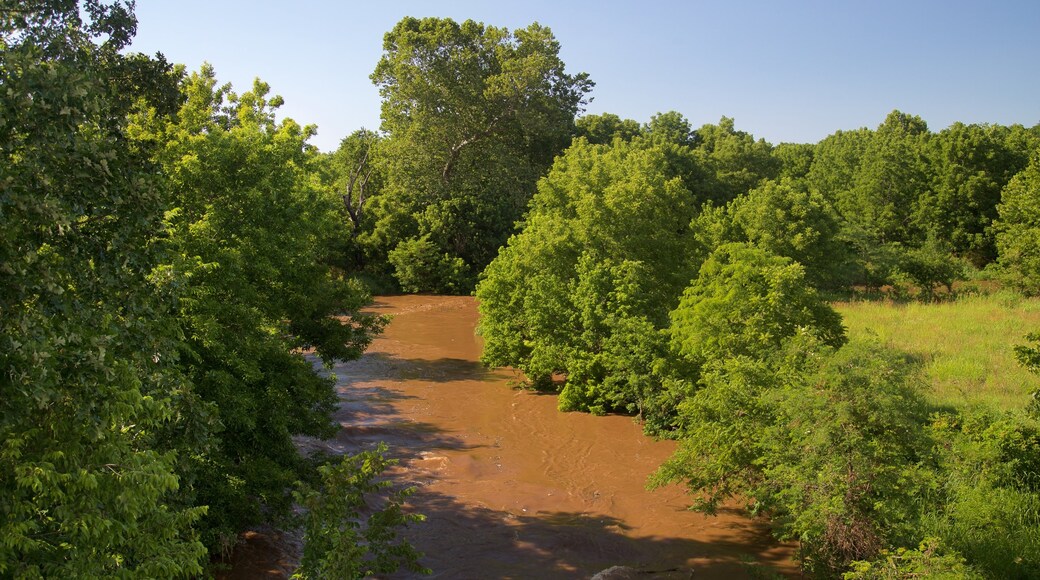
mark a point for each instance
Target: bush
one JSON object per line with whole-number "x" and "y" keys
{"x": 930, "y": 560}
{"x": 420, "y": 266}
{"x": 339, "y": 541}
{"x": 989, "y": 507}
{"x": 829, "y": 443}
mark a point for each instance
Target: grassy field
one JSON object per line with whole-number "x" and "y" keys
{"x": 965, "y": 344}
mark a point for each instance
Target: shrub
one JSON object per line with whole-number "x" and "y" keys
{"x": 339, "y": 541}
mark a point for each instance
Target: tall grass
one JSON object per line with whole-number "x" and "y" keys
{"x": 966, "y": 344}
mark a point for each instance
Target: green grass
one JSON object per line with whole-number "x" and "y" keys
{"x": 965, "y": 344}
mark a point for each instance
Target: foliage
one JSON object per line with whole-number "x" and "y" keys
{"x": 888, "y": 181}
{"x": 671, "y": 127}
{"x": 795, "y": 159}
{"x": 970, "y": 165}
{"x": 86, "y": 341}
{"x": 787, "y": 220}
{"x": 931, "y": 559}
{"x": 339, "y": 540}
{"x": 355, "y": 174}
{"x": 474, "y": 115}
{"x": 928, "y": 266}
{"x": 746, "y": 301}
{"x": 419, "y": 266}
{"x": 830, "y": 444}
{"x": 836, "y": 159}
{"x": 603, "y": 129}
{"x": 737, "y": 161}
{"x": 581, "y": 291}
{"x": 248, "y": 244}
{"x": 1029, "y": 357}
{"x": 1018, "y": 230}
{"x": 990, "y": 508}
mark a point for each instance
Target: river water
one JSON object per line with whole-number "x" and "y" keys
{"x": 511, "y": 487}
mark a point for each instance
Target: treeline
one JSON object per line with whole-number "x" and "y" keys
{"x": 166, "y": 257}
{"x": 431, "y": 198}
{"x": 679, "y": 275}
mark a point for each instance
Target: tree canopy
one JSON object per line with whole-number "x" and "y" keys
{"x": 89, "y": 385}
{"x": 474, "y": 115}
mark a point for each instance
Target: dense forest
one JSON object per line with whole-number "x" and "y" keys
{"x": 175, "y": 259}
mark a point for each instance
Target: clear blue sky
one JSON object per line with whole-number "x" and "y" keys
{"x": 785, "y": 70}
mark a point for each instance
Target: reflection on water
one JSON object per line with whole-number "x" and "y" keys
{"x": 511, "y": 487}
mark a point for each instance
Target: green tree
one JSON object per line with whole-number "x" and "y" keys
{"x": 835, "y": 162}
{"x": 603, "y": 129}
{"x": 787, "y": 220}
{"x": 87, "y": 343}
{"x": 747, "y": 301}
{"x": 671, "y": 127}
{"x": 795, "y": 159}
{"x": 338, "y": 541}
{"x": 587, "y": 284}
{"x": 970, "y": 165}
{"x": 474, "y": 116}
{"x": 249, "y": 244}
{"x": 355, "y": 173}
{"x": 830, "y": 444}
{"x": 737, "y": 161}
{"x": 1018, "y": 229}
{"x": 890, "y": 178}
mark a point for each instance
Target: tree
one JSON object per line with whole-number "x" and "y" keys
{"x": 830, "y": 444}
{"x": 970, "y": 165}
{"x": 603, "y": 129}
{"x": 787, "y": 220}
{"x": 737, "y": 161}
{"x": 835, "y": 162}
{"x": 249, "y": 243}
{"x": 87, "y": 342}
{"x": 338, "y": 542}
{"x": 888, "y": 182}
{"x": 747, "y": 302}
{"x": 795, "y": 159}
{"x": 671, "y": 127}
{"x": 474, "y": 116}
{"x": 585, "y": 288}
{"x": 1018, "y": 229}
{"x": 354, "y": 173}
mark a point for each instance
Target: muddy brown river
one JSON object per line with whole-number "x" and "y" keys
{"x": 511, "y": 487}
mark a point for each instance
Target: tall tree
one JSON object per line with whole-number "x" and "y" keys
{"x": 475, "y": 115}
{"x": 587, "y": 285}
{"x": 739, "y": 162}
{"x": 787, "y": 220}
{"x": 970, "y": 165}
{"x": 87, "y": 343}
{"x": 835, "y": 162}
{"x": 795, "y": 159}
{"x": 891, "y": 176}
{"x": 1018, "y": 229}
{"x": 355, "y": 173}
{"x": 603, "y": 129}
{"x": 249, "y": 255}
